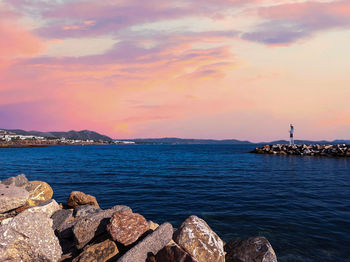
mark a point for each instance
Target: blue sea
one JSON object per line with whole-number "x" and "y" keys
{"x": 300, "y": 204}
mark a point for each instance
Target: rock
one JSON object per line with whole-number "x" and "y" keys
{"x": 39, "y": 192}
{"x": 12, "y": 197}
{"x": 174, "y": 253}
{"x": 8, "y": 215}
{"x": 48, "y": 208}
{"x": 85, "y": 210}
{"x": 153, "y": 226}
{"x": 61, "y": 217}
{"x": 149, "y": 245}
{"x": 29, "y": 237}
{"x": 77, "y": 198}
{"x": 126, "y": 227}
{"x": 197, "y": 238}
{"x": 6, "y": 221}
{"x": 100, "y": 252}
{"x": 255, "y": 249}
{"x": 87, "y": 228}
{"x": 18, "y": 181}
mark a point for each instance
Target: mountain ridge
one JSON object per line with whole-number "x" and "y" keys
{"x": 72, "y": 134}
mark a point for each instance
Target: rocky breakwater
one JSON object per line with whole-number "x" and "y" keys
{"x": 35, "y": 227}
{"x": 305, "y": 150}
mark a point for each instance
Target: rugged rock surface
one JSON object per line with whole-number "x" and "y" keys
{"x": 39, "y": 192}
{"x": 305, "y": 150}
{"x": 63, "y": 220}
{"x": 126, "y": 227}
{"x": 197, "y": 238}
{"x": 100, "y": 252}
{"x": 255, "y": 249}
{"x": 149, "y": 245}
{"x": 93, "y": 225}
{"x": 77, "y": 198}
{"x": 12, "y": 197}
{"x": 29, "y": 237}
{"x": 48, "y": 208}
{"x": 173, "y": 253}
{"x": 85, "y": 210}
{"x": 18, "y": 181}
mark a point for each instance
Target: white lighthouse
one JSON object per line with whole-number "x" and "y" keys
{"x": 291, "y": 134}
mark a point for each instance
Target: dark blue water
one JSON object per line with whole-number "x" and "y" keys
{"x": 301, "y": 204}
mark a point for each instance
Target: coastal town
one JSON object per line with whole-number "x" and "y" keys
{"x": 12, "y": 139}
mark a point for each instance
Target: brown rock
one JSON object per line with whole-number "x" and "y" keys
{"x": 126, "y": 227}
{"x": 150, "y": 245}
{"x": 18, "y": 181}
{"x": 39, "y": 192}
{"x": 255, "y": 249}
{"x": 77, "y": 198}
{"x": 197, "y": 238}
{"x": 29, "y": 237}
{"x": 86, "y": 228}
{"x": 100, "y": 252}
{"x": 174, "y": 253}
{"x": 12, "y": 197}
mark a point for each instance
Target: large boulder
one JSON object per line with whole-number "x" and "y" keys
{"x": 29, "y": 237}
{"x": 77, "y": 198}
{"x": 48, "y": 208}
{"x": 255, "y": 249}
{"x": 149, "y": 245}
{"x": 99, "y": 252}
{"x": 39, "y": 192}
{"x": 86, "y": 228}
{"x": 12, "y": 197}
{"x": 62, "y": 220}
{"x": 18, "y": 181}
{"x": 126, "y": 227}
{"x": 200, "y": 241}
{"x": 173, "y": 253}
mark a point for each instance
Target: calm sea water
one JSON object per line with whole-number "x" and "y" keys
{"x": 301, "y": 204}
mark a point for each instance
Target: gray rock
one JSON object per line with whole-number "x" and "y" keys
{"x": 29, "y": 237}
{"x": 255, "y": 249}
{"x": 18, "y": 181}
{"x": 85, "y": 210}
{"x": 12, "y": 197}
{"x": 86, "y": 228}
{"x": 47, "y": 208}
{"x": 63, "y": 222}
{"x": 150, "y": 245}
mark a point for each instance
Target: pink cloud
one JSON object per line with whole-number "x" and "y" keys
{"x": 16, "y": 41}
{"x": 287, "y": 23}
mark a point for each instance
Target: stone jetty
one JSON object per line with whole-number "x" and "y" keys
{"x": 305, "y": 150}
{"x": 34, "y": 227}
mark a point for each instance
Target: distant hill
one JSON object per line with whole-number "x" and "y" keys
{"x": 76, "y": 135}
{"x": 174, "y": 140}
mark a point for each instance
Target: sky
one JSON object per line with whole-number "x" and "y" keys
{"x": 220, "y": 69}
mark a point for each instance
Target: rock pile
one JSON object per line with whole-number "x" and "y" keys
{"x": 35, "y": 228}
{"x": 305, "y": 150}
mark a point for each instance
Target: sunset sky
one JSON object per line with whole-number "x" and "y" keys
{"x": 242, "y": 69}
